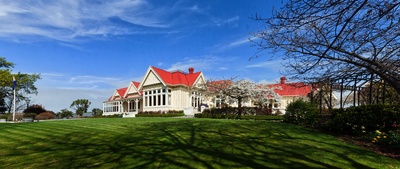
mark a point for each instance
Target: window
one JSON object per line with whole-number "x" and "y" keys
{"x": 150, "y": 101}
{"x": 157, "y": 97}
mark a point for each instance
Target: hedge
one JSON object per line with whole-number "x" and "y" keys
{"x": 365, "y": 118}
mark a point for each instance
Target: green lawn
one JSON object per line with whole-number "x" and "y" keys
{"x": 176, "y": 143}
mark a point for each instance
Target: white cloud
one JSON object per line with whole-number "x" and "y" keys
{"x": 229, "y": 21}
{"x": 274, "y": 64}
{"x": 74, "y": 21}
{"x": 233, "y": 44}
{"x": 203, "y": 63}
{"x": 67, "y": 20}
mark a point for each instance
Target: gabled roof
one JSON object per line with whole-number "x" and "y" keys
{"x": 121, "y": 91}
{"x": 135, "y": 86}
{"x": 177, "y": 77}
{"x": 291, "y": 89}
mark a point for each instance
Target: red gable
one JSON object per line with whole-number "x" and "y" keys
{"x": 291, "y": 89}
{"x": 137, "y": 84}
{"x": 177, "y": 77}
{"x": 122, "y": 91}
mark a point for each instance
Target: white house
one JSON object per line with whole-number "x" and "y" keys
{"x": 289, "y": 92}
{"x": 160, "y": 90}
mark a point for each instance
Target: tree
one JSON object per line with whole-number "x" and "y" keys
{"x": 97, "y": 112}
{"x": 240, "y": 91}
{"x": 336, "y": 39}
{"x": 64, "y": 113}
{"x": 25, "y": 85}
{"x": 35, "y": 108}
{"x": 81, "y": 106}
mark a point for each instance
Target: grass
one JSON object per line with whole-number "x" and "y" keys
{"x": 176, "y": 143}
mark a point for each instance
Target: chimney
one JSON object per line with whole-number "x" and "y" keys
{"x": 283, "y": 80}
{"x": 191, "y": 70}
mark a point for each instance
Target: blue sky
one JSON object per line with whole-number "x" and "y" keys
{"x": 87, "y": 49}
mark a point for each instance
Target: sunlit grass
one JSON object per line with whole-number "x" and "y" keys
{"x": 176, "y": 143}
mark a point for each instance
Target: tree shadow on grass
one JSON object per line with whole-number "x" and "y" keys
{"x": 188, "y": 144}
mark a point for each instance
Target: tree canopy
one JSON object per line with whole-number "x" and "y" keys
{"x": 24, "y": 88}
{"x": 335, "y": 39}
{"x": 240, "y": 91}
{"x": 81, "y": 106}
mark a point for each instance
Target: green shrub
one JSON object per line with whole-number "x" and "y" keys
{"x": 301, "y": 112}
{"x": 232, "y": 112}
{"x": 5, "y": 116}
{"x": 171, "y": 113}
{"x": 253, "y": 113}
{"x": 112, "y": 116}
{"x": 161, "y": 115}
{"x": 365, "y": 119}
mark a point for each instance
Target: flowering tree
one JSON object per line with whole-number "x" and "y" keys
{"x": 240, "y": 91}
{"x": 264, "y": 95}
{"x": 336, "y": 39}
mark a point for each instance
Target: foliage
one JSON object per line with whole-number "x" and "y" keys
{"x": 110, "y": 116}
{"x": 25, "y": 86}
{"x": 335, "y": 39}
{"x": 81, "y": 106}
{"x": 3, "y": 107}
{"x": 169, "y": 113}
{"x": 241, "y": 91}
{"x": 35, "y": 108}
{"x": 45, "y": 116}
{"x": 97, "y": 112}
{"x": 4, "y": 116}
{"x": 160, "y": 115}
{"x": 365, "y": 118}
{"x": 389, "y": 139}
{"x": 64, "y": 113}
{"x": 232, "y": 112}
{"x": 301, "y": 112}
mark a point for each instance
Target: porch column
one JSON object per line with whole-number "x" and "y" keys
{"x": 137, "y": 105}
{"x": 129, "y": 106}
{"x": 120, "y": 106}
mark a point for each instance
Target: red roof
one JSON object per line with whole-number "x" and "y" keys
{"x": 218, "y": 85}
{"x": 137, "y": 84}
{"x": 177, "y": 77}
{"x": 122, "y": 91}
{"x": 291, "y": 89}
